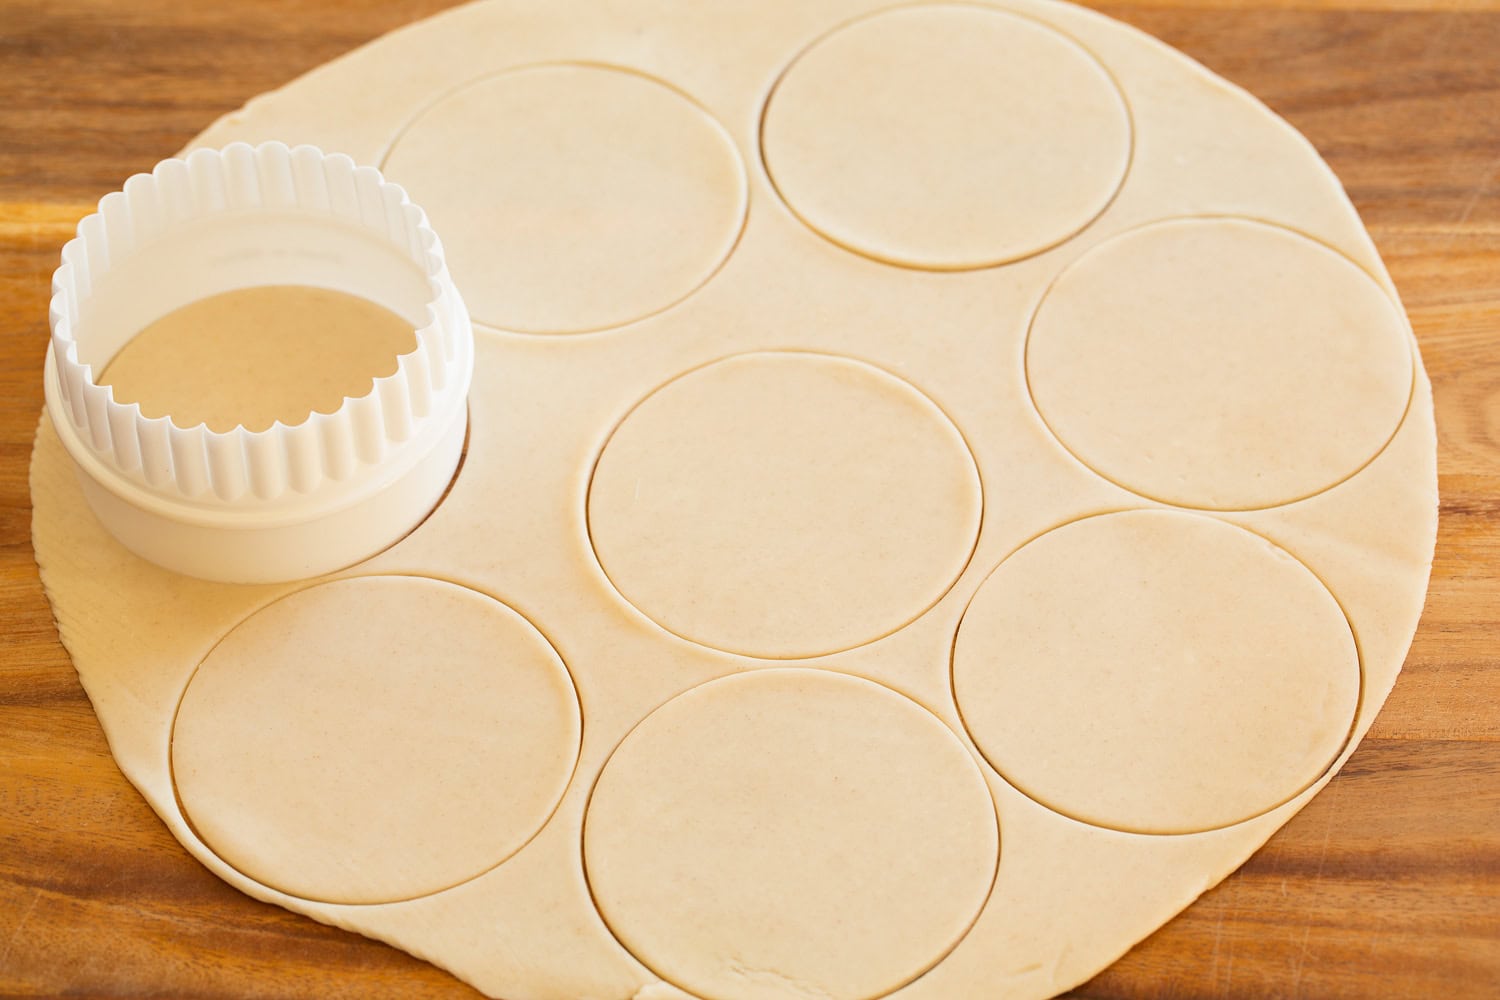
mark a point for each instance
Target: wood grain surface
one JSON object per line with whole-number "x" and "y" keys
{"x": 1387, "y": 885}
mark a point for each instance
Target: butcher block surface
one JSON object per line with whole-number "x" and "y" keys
{"x": 1387, "y": 885}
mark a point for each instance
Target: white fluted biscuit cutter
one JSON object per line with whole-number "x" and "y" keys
{"x": 291, "y": 501}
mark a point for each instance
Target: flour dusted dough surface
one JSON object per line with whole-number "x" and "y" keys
{"x": 1018, "y": 451}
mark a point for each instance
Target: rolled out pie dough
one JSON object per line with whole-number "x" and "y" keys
{"x": 990, "y": 489}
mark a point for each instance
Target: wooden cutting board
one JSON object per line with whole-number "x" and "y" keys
{"x": 1387, "y": 885}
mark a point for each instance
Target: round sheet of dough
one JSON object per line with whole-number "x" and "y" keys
{"x": 946, "y": 137}
{"x": 573, "y": 198}
{"x": 790, "y": 833}
{"x": 375, "y": 739}
{"x": 1147, "y": 671}
{"x": 1156, "y": 672}
{"x": 1220, "y": 363}
{"x": 784, "y": 505}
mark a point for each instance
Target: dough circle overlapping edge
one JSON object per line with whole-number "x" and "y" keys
{"x": 360, "y": 927}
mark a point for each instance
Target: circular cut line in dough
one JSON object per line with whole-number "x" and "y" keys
{"x": 790, "y": 832}
{"x": 784, "y": 504}
{"x": 573, "y": 198}
{"x": 1156, "y": 672}
{"x": 375, "y": 739}
{"x": 946, "y": 137}
{"x": 1219, "y": 363}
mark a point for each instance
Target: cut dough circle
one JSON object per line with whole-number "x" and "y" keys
{"x": 982, "y": 137}
{"x": 784, "y": 504}
{"x": 1156, "y": 672}
{"x": 1219, "y": 363}
{"x": 573, "y": 198}
{"x": 375, "y": 739}
{"x": 790, "y": 832}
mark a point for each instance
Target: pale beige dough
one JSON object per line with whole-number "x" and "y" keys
{"x": 784, "y": 504}
{"x": 1220, "y": 363}
{"x": 1157, "y": 672}
{"x": 572, "y": 198}
{"x": 982, "y": 137}
{"x": 782, "y": 448}
{"x": 378, "y": 761}
{"x": 258, "y": 355}
{"x": 790, "y": 833}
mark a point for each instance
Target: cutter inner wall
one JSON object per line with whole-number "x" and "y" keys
{"x": 227, "y": 253}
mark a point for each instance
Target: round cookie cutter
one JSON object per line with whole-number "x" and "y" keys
{"x": 291, "y": 501}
